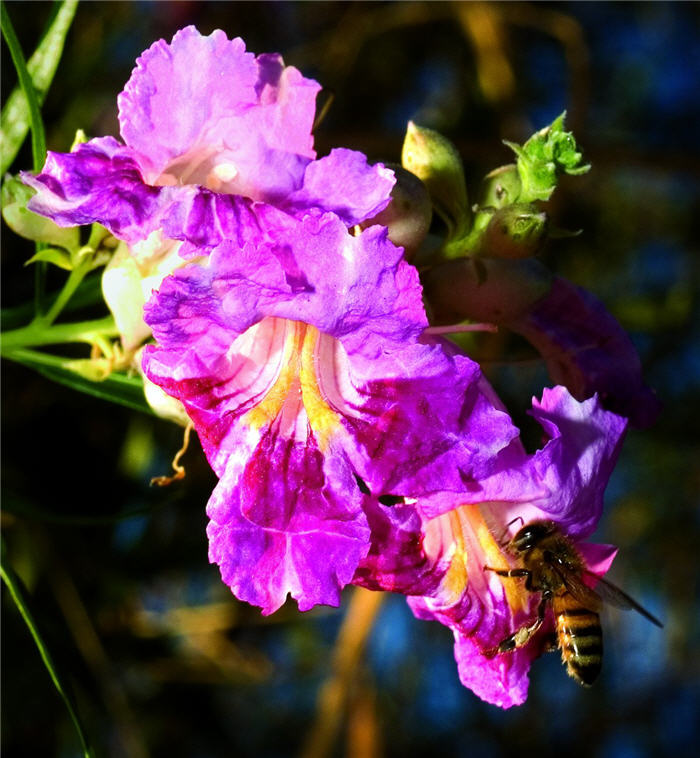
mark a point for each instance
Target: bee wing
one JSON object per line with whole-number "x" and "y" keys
{"x": 582, "y": 592}
{"x": 609, "y": 593}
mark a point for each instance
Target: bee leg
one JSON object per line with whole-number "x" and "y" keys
{"x": 521, "y": 636}
{"x": 508, "y": 572}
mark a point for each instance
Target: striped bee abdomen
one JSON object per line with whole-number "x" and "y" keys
{"x": 580, "y": 638}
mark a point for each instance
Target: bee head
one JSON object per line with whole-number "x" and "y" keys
{"x": 531, "y": 534}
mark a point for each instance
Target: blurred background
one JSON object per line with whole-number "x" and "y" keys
{"x": 161, "y": 658}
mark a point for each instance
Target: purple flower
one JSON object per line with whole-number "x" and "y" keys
{"x": 436, "y": 556}
{"x": 588, "y": 351}
{"x": 302, "y": 365}
{"x": 210, "y": 132}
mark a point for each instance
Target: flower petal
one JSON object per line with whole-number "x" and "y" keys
{"x": 191, "y": 92}
{"x": 344, "y": 183}
{"x": 101, "y": 182}
{"x": 588, "y": 351}
{"x": 284, "y": 521}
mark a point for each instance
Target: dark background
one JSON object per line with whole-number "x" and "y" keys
{"x": 162, "y": 659}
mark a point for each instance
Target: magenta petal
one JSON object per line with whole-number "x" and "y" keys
{"x": 344, "y": 183}
{"x": 577, "y": 461}
{"x": 502, "y": 680}
{"x": 100, "y": 182}
{"x": 288, "y": 106}
{"x": 190, "y": 92}
{"x": 396, "y": 561}
{"x": 286, "y": 522}
{"x": 598, "y": 558}
{"x": 587, "y": 350}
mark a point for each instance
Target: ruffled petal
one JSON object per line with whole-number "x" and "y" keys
{"x": 396, "y": 561}
{"x": 284, "y": 521}
{"x": 344, "y": 183}
{"x": 563, "y": 481}
{"x": 101, "y": 181}
{"x": 192, "y": 92}
{"x": 245, "y": 127}
{"x": 578, "y": 459}
{"x": 588, "y": 351}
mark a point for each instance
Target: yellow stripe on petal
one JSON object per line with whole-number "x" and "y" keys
{"x": 297, "y": 379}
{"x": 266, "y": 411}
{"x": 323, "y": 421}
{"x": 454, "y": 583}
{"x": 494, "y": 557}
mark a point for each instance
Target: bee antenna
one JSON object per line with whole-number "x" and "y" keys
{"x": 502, "y": 540}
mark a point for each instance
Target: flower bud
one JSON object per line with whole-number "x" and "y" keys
{"x": 435, "y": 160}
{"x": 501, "y": 187}
{"x": 26, "y": 223}
{"x": 516, "y": 231}
{"x": 129, "y": 279}
{"x": 492, "y": 290}
{"x": 408, "y": 215}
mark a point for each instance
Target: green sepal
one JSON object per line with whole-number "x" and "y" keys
{"x": 516, "y": 231}
{"x": 550, "y": 152}
{"x": 52, "y": 255}
{"x": 26, "y": 223}
{"x": 436, "y": 162}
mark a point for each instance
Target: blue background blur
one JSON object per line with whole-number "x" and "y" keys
{"x": 162, "y": 658}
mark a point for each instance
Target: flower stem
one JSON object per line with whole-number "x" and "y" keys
{"x": 40, "y": 333}
{"x": 72, "y": 283}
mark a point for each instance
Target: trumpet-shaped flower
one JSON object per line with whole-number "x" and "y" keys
{"x": 209, "y": 132}
{"x": 302, "y": 364}
{"x": 213, "y": 136}
{"x": 436, "y": 553}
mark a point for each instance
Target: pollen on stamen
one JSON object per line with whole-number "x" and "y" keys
{"x": 225, "y": 172}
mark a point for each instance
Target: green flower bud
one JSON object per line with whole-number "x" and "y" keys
{"x": 408, "y": 215}
{"x": 516, "y": 231}
{"x": 501, "y": 187}
{"x": 491, "y": 290}
{"x": 15, "y": 196}
{"x": 436, "y": 162}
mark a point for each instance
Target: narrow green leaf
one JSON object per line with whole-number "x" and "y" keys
{"x": 25, "y": 81}
{"x": 116, "y": 388}
{"x": 88, "y": 293}
{"x": 14, "y": 585}
{"x": 14, "y": 120}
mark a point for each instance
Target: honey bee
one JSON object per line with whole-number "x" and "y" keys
{"x": 553, "y": 567}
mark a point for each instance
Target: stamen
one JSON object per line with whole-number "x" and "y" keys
{"x": 164, "y": 481}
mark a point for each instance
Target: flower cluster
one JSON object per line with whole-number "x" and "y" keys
{"x": 299, "y": 347}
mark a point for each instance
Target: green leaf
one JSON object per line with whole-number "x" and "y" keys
{"x": 17, "y": 592}
{"x": 53, "y": 255}
{"x": 25, "y": 81}
{"x": 88, "y": 293}
{"x": 116, "y": 388}
{"x": 544, "y": 157}
{"x": 15, "y": 117}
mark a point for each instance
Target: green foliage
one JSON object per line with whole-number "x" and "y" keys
{"x": 18, "y": 114}
{"x": 18, "y": 595}
{"x": 26, "y": 223}
{"x": 544, "y": 157}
